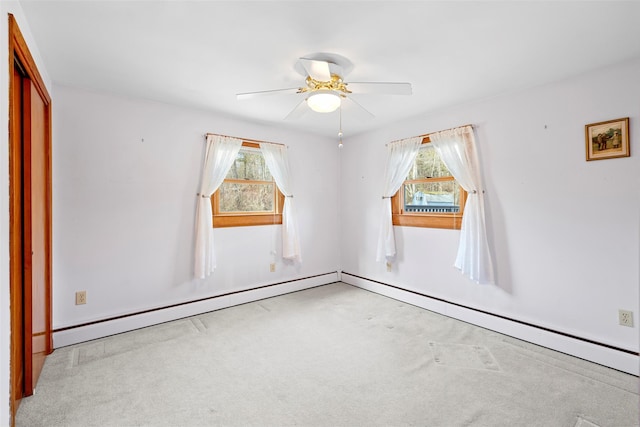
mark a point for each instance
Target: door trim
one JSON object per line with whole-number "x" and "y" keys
{"x": 19, "y": 53}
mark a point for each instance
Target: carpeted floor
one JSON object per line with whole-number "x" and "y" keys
{"x": 334, "y": 355}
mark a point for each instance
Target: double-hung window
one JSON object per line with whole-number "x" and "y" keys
{"x": 430, "y": 196}
{"x": 248, "y": 195}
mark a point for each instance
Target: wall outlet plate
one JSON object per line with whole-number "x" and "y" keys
{"x": 272, "y": 267}
{"x": 81, "y": 297}
{"x": 625, "y": 318}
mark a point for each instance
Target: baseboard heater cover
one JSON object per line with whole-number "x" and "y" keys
{"x": 616, "y": 358}
{"x": 102, "y": 328}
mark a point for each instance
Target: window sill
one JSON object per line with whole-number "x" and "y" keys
{"x": 246, "y": 220}
{"x": 448, "y": 221}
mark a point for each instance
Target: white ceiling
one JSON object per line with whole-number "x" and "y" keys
{"x": 201, "y": 53}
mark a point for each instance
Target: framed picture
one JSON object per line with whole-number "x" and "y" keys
{"x": 607, "y": 140}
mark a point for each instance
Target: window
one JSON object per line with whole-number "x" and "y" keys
{"x": 430, "y": 196}
{"x": 248, "y": 195}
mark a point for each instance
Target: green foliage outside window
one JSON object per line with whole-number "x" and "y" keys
{"x": 248, "y": 187}
{"x": 236, "y": 197}
{"x": 428, "y": 165}
{"x": 249, "y": 165}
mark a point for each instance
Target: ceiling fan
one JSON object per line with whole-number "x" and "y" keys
{"x": 324, "y": 89}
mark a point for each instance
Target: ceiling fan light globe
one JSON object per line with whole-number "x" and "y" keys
{"x": 324, "y": 101}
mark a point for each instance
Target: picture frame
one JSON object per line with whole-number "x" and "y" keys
{"x": 607, "y": 140}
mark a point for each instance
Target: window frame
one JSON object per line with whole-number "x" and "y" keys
{"x": 245, "y": 219}
{"x": 452, "y": 221}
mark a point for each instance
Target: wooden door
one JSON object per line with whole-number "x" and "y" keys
{"x": 35, "y": 226}
{"x": 30, "y": 219}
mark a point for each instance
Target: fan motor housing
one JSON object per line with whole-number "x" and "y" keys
{"x": 335, "y": 84}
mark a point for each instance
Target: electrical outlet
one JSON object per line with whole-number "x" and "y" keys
{"x": 389, "y": 266}
{"x": 625, "y": 318}
{"x": 81, "y": 297}
{"x": 272, "y": 267}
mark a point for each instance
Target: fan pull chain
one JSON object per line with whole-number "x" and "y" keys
{"x": 340, "y": 130}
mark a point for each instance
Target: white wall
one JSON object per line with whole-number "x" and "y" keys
{"x": 564, "y": 232}
{"x": 14, "y": 8}
{"x": 125, "y": 177}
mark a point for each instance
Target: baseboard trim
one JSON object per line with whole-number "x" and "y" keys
{"x": 102, "y": 328}
{"x": 603, "y": 354}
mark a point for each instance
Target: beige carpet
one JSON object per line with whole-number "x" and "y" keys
{"x": 329, "y": 356}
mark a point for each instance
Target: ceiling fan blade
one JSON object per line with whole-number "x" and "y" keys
{"x": 249, "y": 95}
{"x": 352, "y": 105}
{"x": 380, "y": 88}
{"x": 318, "y": 70}
{"x": 298, "y": 111}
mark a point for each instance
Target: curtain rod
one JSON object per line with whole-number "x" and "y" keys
{"x": 427, "y": 134}
{"x": 243, "y": 139}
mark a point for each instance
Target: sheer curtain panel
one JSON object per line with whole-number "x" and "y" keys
{"x": 457, "y": 148}
{"x": 277, "y": 160}
{"x": 220, "y": 154}
{"x": 400, "y": 158}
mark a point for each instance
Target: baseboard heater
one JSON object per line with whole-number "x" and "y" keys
{"x": 604, "y": 354}
{"x": 114, "y": 325}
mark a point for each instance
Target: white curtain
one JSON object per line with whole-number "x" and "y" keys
{"x": 219, "y": 157}
{"x": 277, "y": 160}
{"x": 457, "y": 149}
{"x": 400, "y": 158}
